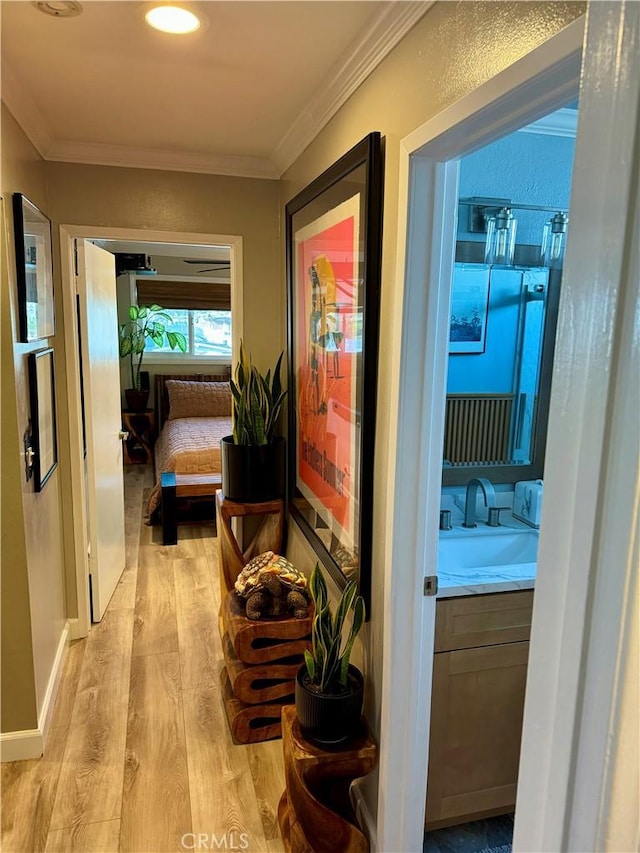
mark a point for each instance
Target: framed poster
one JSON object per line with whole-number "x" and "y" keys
{"x": 42, "y": 391}
{"x": 334, "y": 236}
{"x": 32, "y": 231}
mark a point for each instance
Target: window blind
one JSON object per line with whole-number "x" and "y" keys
{"x": 193, "y": 295}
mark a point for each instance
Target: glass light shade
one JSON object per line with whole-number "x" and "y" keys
{"x": 172, "y": 19}
{"x": 501, "y": 238}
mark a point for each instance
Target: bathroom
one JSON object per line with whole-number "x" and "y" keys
{"x": 513, "y": 200}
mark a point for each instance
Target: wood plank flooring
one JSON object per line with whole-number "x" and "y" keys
{"x": 139, "y": 756}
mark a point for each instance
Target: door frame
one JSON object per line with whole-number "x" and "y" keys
{"x": 68, "y": 233}
{"x": 545, "y": 79}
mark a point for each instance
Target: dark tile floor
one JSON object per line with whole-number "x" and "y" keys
{"x": 476, "y": 837}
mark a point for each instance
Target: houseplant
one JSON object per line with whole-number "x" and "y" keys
{"x": 145, "y": 322}
{"x": 253, "y": 457}
{"x": 329, "y": 689}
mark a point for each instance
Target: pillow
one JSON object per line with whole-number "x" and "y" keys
{"x": 198, "y": 399}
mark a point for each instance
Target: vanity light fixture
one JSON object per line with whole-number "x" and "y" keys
{"x": 172, "y": 19}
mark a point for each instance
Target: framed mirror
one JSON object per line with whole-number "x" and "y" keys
{"x": 34, "y": 270}
{"x": 498, "y": 393}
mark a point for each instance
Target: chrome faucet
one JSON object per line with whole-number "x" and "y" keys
{"x": 470, "y": 503}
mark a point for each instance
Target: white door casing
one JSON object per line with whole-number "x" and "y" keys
{"x": 96, "y": 284}
{"x": 577, "y": 786}
{"x": 76, "y": 481}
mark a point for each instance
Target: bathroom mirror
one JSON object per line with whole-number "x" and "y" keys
{"x": 499, "y": 379}
{"x": 511, "y": 229}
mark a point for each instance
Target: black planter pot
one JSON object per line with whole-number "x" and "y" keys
{"x": 329, "y": 718}
{"x": 136, "y": 399}
{"x": 252, "y": 474}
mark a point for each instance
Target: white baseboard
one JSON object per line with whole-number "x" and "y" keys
{"x": 44, "y": 717}
{"x": 363, "y": 814}
{"x": 19, "y": 746}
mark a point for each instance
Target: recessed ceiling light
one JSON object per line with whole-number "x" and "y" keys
{"x": 61, "y": 8}
{"x": 172, "y": 19}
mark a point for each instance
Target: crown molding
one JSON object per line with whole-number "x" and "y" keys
{"x": 25, "y": 111}
{"x": 562, "y": 122}
{"x": 99, "y": 154}
{"x": 365, "y": 54}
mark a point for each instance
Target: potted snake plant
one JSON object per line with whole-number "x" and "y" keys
{"x": 253, "y": 457}
{"x": 329, "y": 689}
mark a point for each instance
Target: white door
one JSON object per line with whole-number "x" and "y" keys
{"x": 96, "y": 282}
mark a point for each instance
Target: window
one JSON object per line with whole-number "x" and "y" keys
{"x": 208, "y": 333}
{"x": 200, "y": 310}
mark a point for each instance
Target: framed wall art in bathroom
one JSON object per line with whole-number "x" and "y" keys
{"x": 333, "y": 234}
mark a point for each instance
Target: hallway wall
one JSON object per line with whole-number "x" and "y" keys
{"x": 33, "y": 600}
{"x": 453, "y": 49}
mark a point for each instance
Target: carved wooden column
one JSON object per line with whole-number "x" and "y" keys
{"x": 315, "y": 813}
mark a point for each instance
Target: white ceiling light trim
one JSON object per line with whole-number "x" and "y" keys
{"x": 365, "y": 54}
{"x": 98, "y": 154}
{"x": 176, "y": 20}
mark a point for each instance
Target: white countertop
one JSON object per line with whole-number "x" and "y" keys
{"x": 477, "y": 580}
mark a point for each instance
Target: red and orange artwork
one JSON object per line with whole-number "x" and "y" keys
{"x": 328, "y": 322}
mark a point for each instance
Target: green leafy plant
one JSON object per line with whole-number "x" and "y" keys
{"x": 146, "y": 322}
{"x": 257, "y": 401}
{"x": 328, "y": 661}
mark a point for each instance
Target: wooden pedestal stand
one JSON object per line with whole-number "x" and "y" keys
{"x": 315, "y": 813}
{"x": 262, "y": 658}
{"x": 268, "y": 537}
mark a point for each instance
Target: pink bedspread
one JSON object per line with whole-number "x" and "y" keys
{"x": 188, "y": 446}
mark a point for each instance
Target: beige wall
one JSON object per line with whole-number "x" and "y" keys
{"x": 33, "y": 605}
{"x": 180, "y": 201}
{"x": 451, "y": 51}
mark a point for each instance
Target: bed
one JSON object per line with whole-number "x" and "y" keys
{"x": 194, "y": 413}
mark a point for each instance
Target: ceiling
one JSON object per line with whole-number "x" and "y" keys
{"x": 244, "y": 95}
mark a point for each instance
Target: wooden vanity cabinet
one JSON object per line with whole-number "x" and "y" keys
{"x": 479, "y": 678}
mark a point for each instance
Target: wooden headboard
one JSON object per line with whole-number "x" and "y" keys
{"x": 160, "y": 389}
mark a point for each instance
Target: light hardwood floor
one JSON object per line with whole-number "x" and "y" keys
{"x": 139, "y": 756}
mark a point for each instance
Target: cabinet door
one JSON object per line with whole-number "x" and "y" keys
{"x": 476, "y": 726}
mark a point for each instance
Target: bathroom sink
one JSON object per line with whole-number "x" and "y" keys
{"x": 471, "y": 549}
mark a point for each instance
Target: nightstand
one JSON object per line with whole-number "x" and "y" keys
{"x": 138, "y": 447}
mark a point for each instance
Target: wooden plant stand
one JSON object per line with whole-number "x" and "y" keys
{"x": 315, "y": 813}
{"x": 268, "y": 537}
{"x": 262, "y": 658}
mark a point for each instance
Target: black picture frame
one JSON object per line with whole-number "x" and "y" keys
{"x": 34, "y": 270}
{"x": 44, "y": 439}
{"x": 333, "y": 257}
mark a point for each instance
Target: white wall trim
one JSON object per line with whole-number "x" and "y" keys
{"x": 25, "y": 111}
{"x": 75, "y": 632}
{"x": 22, "y": 745}
{"x": 48, "y": 703}
{"x": 67, "y": 235}
{"x": 364, "y": 56}
{"x": 362, "y": 812}
{"x": 101, "y": 154}
{"x": 538, "y": 83}
{"x": 562, "y": 122}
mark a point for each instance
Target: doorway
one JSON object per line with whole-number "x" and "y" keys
{"x": 570, "y": 551}
{"x": 68, "y": 234}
